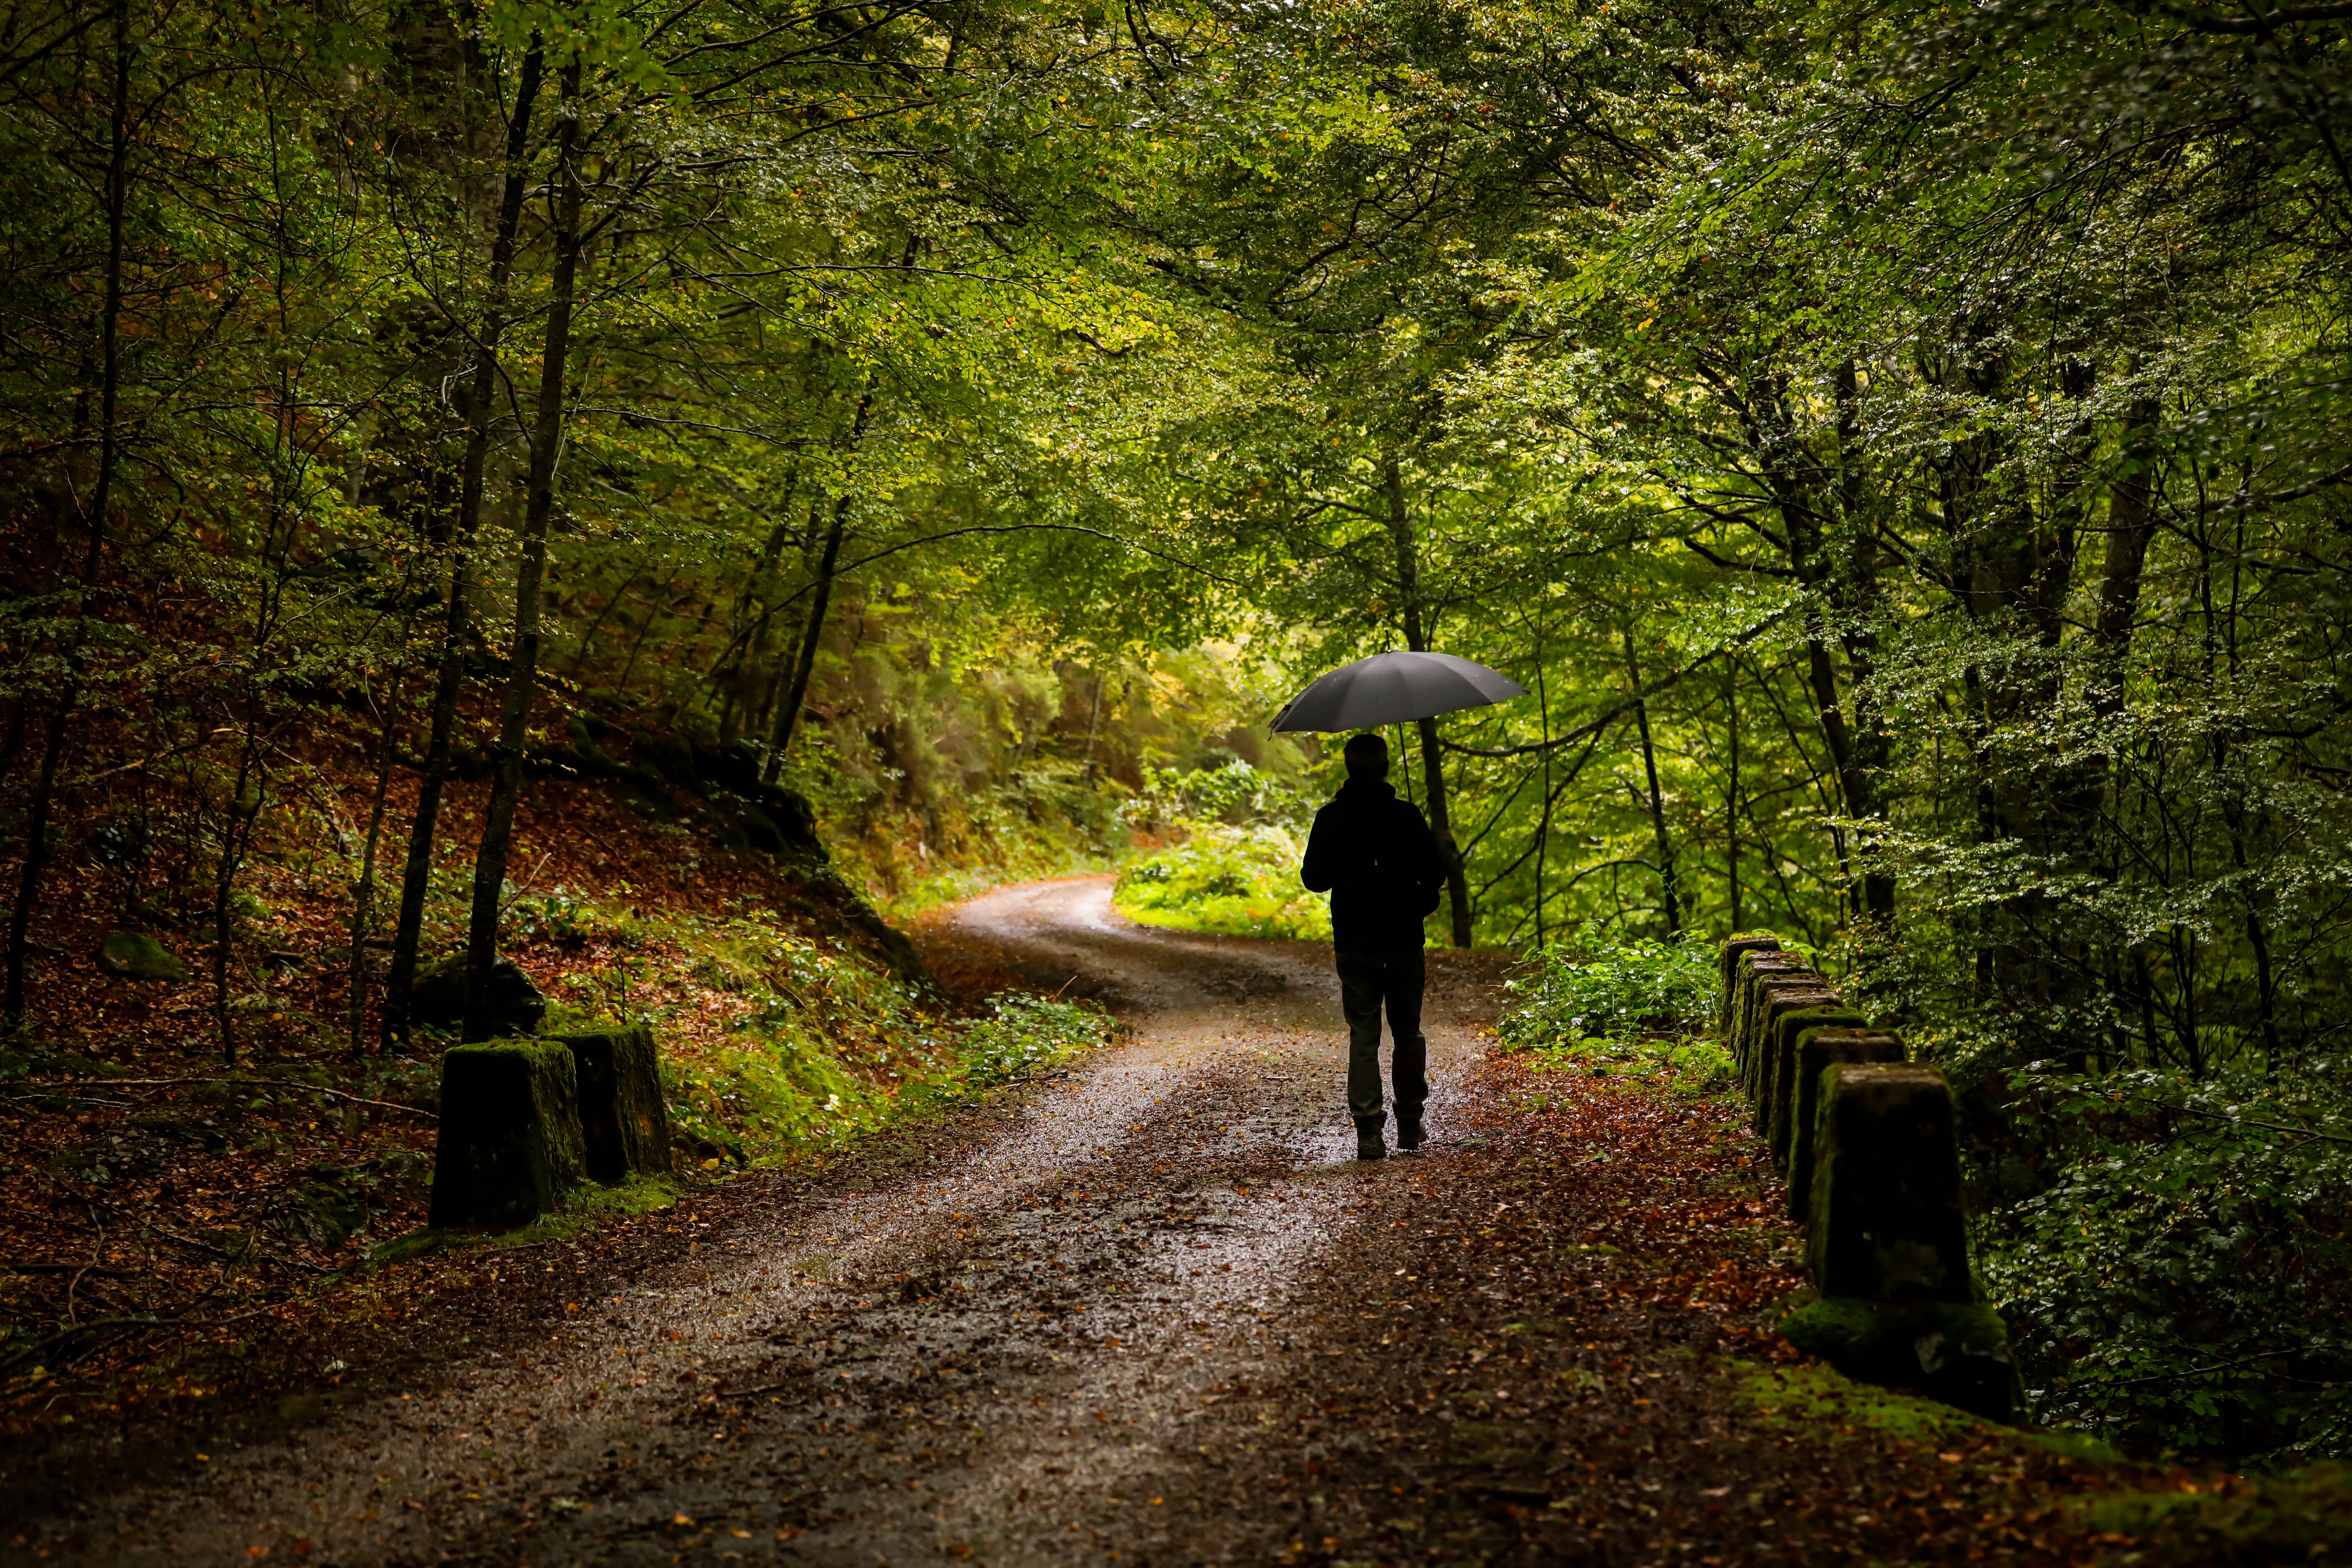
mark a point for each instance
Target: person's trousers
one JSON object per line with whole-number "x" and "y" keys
{"x": 1367, "y": 982}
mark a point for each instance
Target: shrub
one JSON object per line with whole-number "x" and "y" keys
{"x": 2184, "y": 1279}
{"x": 1589, "y": 987}
{"x": 1633, "y": 1009}
{"x": 1022, "y": 1033}
{"x": 1240, "y": 882}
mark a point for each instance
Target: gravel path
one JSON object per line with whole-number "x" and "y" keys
{"x": 1015, "y": 1354}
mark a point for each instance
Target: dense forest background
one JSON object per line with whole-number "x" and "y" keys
{"x": 1902, "y": 448}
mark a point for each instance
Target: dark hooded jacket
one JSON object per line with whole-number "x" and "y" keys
{"x": 1376, "y": 858}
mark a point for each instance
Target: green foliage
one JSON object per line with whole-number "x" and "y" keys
{"x": 1226, "y": 789}
{"x": 1636, "y": 1009}
{"x": 1236, "y": 881}
{"x": 2183, "y": 1278}
{"x": 1022, "y": 1033}
{"x": 1592, "y": 987}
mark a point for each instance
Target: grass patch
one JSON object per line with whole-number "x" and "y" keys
{"x": 1638, "y": 1009}
{"x": 1225, "y": 880}
{"x": 774, "y": 1045}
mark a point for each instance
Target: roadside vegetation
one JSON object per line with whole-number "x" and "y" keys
{"x": 1642, "y": 1009}
{"x": 1220, "y": 847}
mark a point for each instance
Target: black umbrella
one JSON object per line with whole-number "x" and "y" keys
{"x": 1390, "y": 687}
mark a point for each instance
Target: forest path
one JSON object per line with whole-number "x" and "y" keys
{"x": 1148, "y": 1312}
{"x": 1004, "y": 1356}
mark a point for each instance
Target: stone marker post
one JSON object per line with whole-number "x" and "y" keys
{"x": 1778, "y": 1067}
{"x": 624, "y": 1120}
{"x": 1883, "y": 1218}
{"x": 510, "y": 1144}
{"x": 1887, "y": 1247}
{"x": 1755, "y": 974}
{"x": 1809, "y": 995}
{"x": 1818, "y": 1048}
{"x": 1727, "y": 963}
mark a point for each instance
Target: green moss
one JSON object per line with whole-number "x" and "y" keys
{"x": 1957, "y": 1352}
{"x": 1802, "y": 1396}
{"x": 582, "y": 1211}
{"x": 2301, "y": 1516}
{"x": 130, "y": 955}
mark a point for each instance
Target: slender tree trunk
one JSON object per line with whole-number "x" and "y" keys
{"x": 18, "y": 711}
{"x": 1671, "y": 904}
{"x": 417, "y": 879}
{"x": 546, "y": 451}
{"x": 1731, "y": 789}
{"x": 53, "y": 741}
{"x": 788, "y": 711}
{"x": 2131, "y": 522}
{"x": 1543, "y": 824}
{"x": 364, "y": 896}
{"x": 237, "y": 829}
{"x": 1854, "y": 587}
{"x": 1432, "y": 759}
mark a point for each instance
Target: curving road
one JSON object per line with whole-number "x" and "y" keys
{"x": 1023, "y": 1352}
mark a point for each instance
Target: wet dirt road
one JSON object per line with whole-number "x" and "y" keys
{"x": 1023, "y": 1352}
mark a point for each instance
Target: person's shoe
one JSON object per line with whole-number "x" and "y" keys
{"x": 1369, "y": 1144}
{"x": 1407, "y": 1129}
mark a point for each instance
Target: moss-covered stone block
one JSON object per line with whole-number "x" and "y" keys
{"x": 510, "y": 1144}
{"x": 1778, "y": 1066}
{"x": 514, "y": 1006}
{"x": 1727, "y": 966}
{"x": 1884, "y": 1216}
{"x": 624, "y": 1120}
{"x": 1757, "y": 973}
{"x": 1772, "y": 1005}
{"x": 1954, "y": 1352}
{"x": 1817, "y": 1049}
{"x": 130, "y": 955}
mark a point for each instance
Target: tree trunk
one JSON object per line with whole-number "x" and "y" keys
{"x": 1732, "y": 790}
{"x": 1433, "y": 764}
{"x": 417, "y": 879}
{"x": 1855, "y": 589}
{"x": 53, "y": 741}
{"x": 237, "y": 829}
{"x": 788, "y": 712}
{"x": 546, "y": 450}
{"x": 2131, "y": 522}
{"x": 364, "y": 896}
{"x": 1669, "y": 902}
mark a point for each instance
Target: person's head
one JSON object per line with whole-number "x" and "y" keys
{"x": 1367, "y": 756}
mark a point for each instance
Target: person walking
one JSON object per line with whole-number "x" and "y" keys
{"x": 1375, "y": 855}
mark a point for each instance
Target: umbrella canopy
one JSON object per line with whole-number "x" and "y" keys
{"x": 1390, "y": 687}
